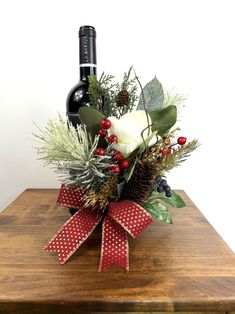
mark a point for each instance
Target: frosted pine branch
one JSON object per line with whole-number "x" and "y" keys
{"x": 72, "y": 153}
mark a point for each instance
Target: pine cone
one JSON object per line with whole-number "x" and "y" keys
{"x": 122, "y": 98}
{"x": 139, "y": 187}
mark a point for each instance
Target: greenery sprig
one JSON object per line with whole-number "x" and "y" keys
{"x": 179, "y": 155}
{"x": 72, "y": 152}
{"x": 103, "y": 93}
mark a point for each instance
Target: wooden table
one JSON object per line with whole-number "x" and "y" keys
{"x": 181, "y": 267}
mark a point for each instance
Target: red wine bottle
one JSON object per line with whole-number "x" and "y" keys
{"x": 78, "y": 96}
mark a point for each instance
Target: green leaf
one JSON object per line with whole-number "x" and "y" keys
{"x": 153, "y": 95}
{"x": 158, "y": 210}
{"x": 175, "y": 200}
{"x": 163, "y": 119}
{"x": 92, "y": 118}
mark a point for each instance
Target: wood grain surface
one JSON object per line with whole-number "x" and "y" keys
{"x": 181, "y": 267}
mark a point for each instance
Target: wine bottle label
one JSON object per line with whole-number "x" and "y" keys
{"x": 87, "y": 50}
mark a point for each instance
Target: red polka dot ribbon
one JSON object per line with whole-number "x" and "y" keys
{"x": 122, "y": 217}
{"x": 73, "y": 233}
{"x": 71, "y": 198}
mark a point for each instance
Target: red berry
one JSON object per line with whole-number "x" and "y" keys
{"x": 169, "y": 150}
{"x": 112, "y": 138}
{"x": 118, "y": 156}
{"x": 100, "y": 151}
{"x": 115, "y": 169}
{"x": 181, "y": 140}
{"x": 105, "y": 124}
{"x": 124, "y": 164}
{"x": 164, "y": 151}
{"x": 102, "y": 132}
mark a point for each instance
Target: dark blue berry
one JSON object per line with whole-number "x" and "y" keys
{"x": 167, "y": 188}
{"x": 160, "y": 189}
{"x": 168, "y": 194}
{"x": 164, "y": 183}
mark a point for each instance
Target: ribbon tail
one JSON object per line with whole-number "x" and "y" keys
{"x": 115, "y": 248}
{"x": 73, "y": 233}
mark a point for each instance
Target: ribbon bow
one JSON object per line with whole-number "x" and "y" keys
{"x": 122, "y": 217}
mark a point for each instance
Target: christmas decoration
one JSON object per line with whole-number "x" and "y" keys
{"x": 122, "y": 98}
{"x": 102, "y": 132}
{"x": 139, "y": 187}
{"x": 113, "y": 166}
{"x": 162, "y": 186}
{"x": 105, "y": 123}
{"x": 124, "y": 164}
{"x": 100, "y": 151}
{"x": 112, "y": 139}
{"x": 181, "y": 140}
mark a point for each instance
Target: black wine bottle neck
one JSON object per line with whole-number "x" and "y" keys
{"x": 78, "y": 96}
{"x": 85, "y": 71}
{"x": 87, "y": 46}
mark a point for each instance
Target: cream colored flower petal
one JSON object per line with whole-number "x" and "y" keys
{"x": 115, "y": 126}
{"x": 128, "y": 130}
{"x": 140, "y": 123}
{"x": 132, "y": 122}
{"x": 125, "y": 149}
{"x": 125, "y": 131}
{"x": 138, "y": 118}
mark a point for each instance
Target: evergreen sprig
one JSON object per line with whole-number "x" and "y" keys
{"x": 103, "y": 93}
{"x": 72, "y": 153}
{"x": 128, "y": 84}
{"x": 171, "y": 97}
{"x": 178, "y": 156}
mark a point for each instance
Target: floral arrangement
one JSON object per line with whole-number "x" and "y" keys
{"x": 113, "y": 165}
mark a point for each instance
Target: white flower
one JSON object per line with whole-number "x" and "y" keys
{"x": 128, "y": 130}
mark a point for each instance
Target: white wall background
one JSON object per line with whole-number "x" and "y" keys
{"x": 189, "y": 45}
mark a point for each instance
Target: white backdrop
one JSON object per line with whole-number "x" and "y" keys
{"x": 189, "y": 45}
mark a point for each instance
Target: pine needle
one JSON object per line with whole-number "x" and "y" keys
{"x": 171, "y": 97}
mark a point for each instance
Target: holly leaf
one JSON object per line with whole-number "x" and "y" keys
{"x": 175, "y": 200}
{"x": 163, "y": 119}
{"x": 153, "y": 96}
{"x": 158, "y": 210}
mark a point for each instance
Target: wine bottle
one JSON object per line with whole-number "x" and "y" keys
{"x": 78, "y": 96}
